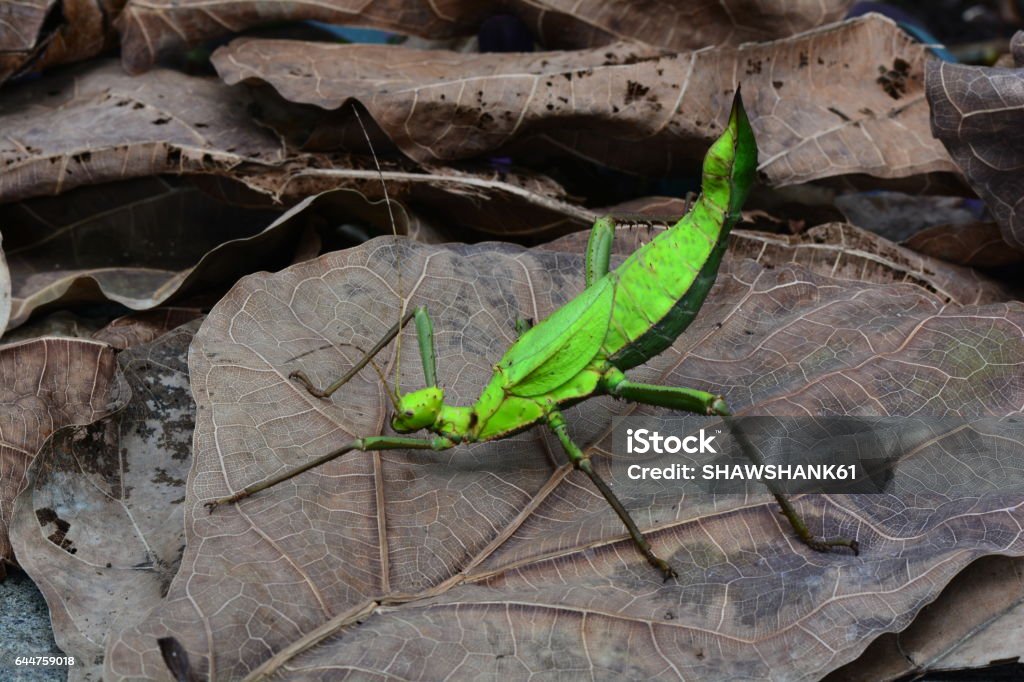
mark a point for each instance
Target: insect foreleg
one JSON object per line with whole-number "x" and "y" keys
{"x": 425, "y": 333}
{"x": 425, "y": 337}
{"x": 599, "y": 249}
{"x": 362, "y": 444}
{"x": 582, "y": 462}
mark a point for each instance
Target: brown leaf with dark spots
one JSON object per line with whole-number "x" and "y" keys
{"x": 152, "y": 27}
{"x": 405, "y": 563}
{"x": 94, "y": 123}
{"x": 814, "y": 100}
{"x": 114, "y": 491}
{"x": 230, "y": 143}
{"x": 47, "y": 384}
{"x": 978, "y": 113}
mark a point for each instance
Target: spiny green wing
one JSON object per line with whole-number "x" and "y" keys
{"x": 554, "y": 351}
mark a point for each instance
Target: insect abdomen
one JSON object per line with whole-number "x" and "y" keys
{"x": 659, "y": 294}
{"x": 660, "y": 287}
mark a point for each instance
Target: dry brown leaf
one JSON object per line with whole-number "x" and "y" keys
{"x": 978, "y": 113}
{"x": 62, "y": 323}
{"x": 36, "y": 34}
{"x": 898, "y": 216}
{"x": 46, "y": 384}
{"x": 113, "y": 491}
{"x": 152, "y": 27}
{"x": 168, "y": 235}
{"x": 5, "y": 289}
{"x": 975, "y": 622}
{"x": 977, "y": 244}
{"x": 20, "y": 23}
{"x": 146, "y": 124}
{"x": 93, "y": 123}
{"x": 843, "y": 99}
{"x": 846, "y": 252}
{"x": 476, "y": 200}
{"x": 145, "y": 327}
{"x": 405, "y": 564}
{"x": 175, "y": 240}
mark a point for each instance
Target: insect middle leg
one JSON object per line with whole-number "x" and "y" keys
{"x": 367, "y": 444}
{"x": 702, "y": 402}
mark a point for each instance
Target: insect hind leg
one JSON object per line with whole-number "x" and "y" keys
{"x": 685, "y": 399}
{"x": 582, "y": 462}
{"x": 702, "y": 402}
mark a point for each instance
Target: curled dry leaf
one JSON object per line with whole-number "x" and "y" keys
{"x": 46, "y": 384}
{"x": 168, "y": 235}
{"x": 94, "y": 123}
{"x": 36, "y": 34}
{"x": 145, "y": 327}
{"x": 846, "y": 252}
{"x": 970, "y": 625}
{"x": 978, "y": 244}
{"x": 62, "y": 323}
{"x": 151, "y": 27}
{"x": 823, "y": 103}
{"x": 978, "y": 113}
{"x": 169, "y": 123}
{"x": 21, "y": 23}
{"x": 477, "y": 200}
{"x": 405, "y": 564}
{"x": 175, "y": 240}
{"x": 100, "y": 528}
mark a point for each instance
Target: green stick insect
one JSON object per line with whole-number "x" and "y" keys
{"x": 621, "y": 319}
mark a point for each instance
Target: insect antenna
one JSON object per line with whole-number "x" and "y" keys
{"x": 393, "y": 392}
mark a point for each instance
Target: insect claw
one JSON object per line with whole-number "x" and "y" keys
{"x": 820, "y": 545}
{"x": 719, "y": 408}
{"x": 210, "y": 506}
{"x": 667, "y": 571}
{"x": 300, "y": 376}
